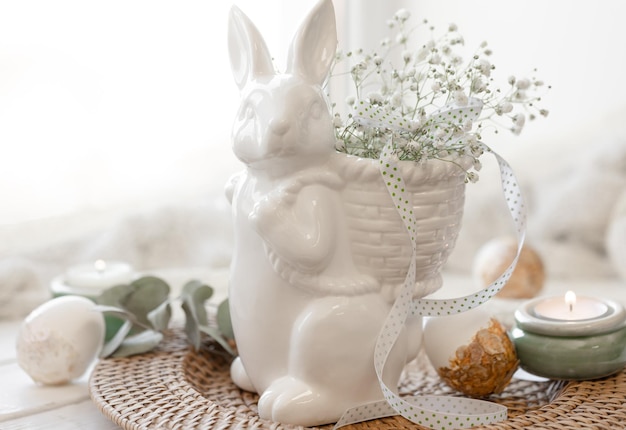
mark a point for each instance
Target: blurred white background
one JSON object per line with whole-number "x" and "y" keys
{"x": 110, "y": 106}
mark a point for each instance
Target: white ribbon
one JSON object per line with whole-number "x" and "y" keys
{"x": 435, "y": 412}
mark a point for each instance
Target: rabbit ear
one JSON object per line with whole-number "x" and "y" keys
{"x": 249, "y": 56}
{"x": 314, "y": 46}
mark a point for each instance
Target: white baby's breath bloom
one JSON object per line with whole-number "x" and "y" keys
{"x": 504, "y": 107}
{"x": 460, "y": 98}
{"x": 396, "y": 99}
{"x": 522, "y": 84}
{"x": 478, "y": 85}
{"x": 475, "y": 149}
{"x": 456, "y": 60}
{"x": 434, "y": 58}
{"x": 401, "y": 38}
{"x": 337, "y": 122}
{"x": 472, "y": 177}
{"x": 431, "y": 75}
{"x": 402, "y": 15}
{"x": 376, "y": 98}
{"x": 484, "y": 66}
{"x": 518, "y": 123}
{"x": 414, "y": 125}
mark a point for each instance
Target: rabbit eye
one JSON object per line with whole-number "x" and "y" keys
{"x": 315, "y": 111}
{"x": 247, "y": 112}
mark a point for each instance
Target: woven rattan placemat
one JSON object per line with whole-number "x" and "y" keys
{"x": 175, "y": 387}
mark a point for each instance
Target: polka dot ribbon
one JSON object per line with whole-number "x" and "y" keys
{"x": 435, "y": 412}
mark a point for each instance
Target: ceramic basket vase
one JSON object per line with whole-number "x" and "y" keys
{"x": 320, "y": 249}
{"x": 379, "y": 241}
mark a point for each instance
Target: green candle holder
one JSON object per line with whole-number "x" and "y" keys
{"x": 571, "y": 349}
{"x": 571, "y": 357}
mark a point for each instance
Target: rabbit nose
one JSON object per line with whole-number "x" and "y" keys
{"x": 279, "y": 126}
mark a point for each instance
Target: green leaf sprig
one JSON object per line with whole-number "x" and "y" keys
{"x": 145, "y": 308}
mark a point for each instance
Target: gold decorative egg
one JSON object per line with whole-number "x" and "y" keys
{"x": 496, "y": 255}
{"x": 471, "y": 352}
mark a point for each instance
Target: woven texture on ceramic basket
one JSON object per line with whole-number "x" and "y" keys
{"x": 175, "y": 387}
{"x": 380, "y": 244}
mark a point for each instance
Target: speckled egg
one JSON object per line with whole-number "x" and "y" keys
{"x": 495, "y": 256}
{"x": 58, "y": 341}
{"x": 471, "y": 352}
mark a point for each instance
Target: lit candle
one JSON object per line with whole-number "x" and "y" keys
{"x": 91, "y": 279}
{"x": 570, "y": 337}
{"x": 99, "y": 275}
{"x": 570, "y": 308}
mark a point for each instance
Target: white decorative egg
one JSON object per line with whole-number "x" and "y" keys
{"x": 60, "y": 339}
{"x": 471, "y": 352}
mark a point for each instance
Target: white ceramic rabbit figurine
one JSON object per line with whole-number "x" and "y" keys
{"x": 305, "y": 318}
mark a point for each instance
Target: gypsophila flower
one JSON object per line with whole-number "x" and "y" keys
{"x": 427, "y": 100}
{"x": 402, "y": 15}
{"x": 522, "y": 84}
{"x": 472, "y": 177}
{"x": 504, "y": 107}
{"x": 337, "y": 121}
{"x": 434, "y": 58}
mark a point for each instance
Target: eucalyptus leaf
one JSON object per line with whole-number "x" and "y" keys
{"x": 160, "y": 316}
{"x": 139, "y": 343}
{"x": 147, "y": 293}
{"x": 217, "y": 336}
{"x": 224, "y": 323}
{"x": 115, "y": 342}
{"x": 123, "y": 314}
{"x": 196, "y": 293}
{"x": 193, "y": 296}
{"x": 114, "y": 296}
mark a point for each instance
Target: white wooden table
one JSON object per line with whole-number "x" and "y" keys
{"x": 25, "y": 405}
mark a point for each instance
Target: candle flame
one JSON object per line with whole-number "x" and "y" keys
{"x": 570, "y": 300}
{"x": 100, "y": 266}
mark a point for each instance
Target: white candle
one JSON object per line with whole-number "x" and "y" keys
{"x": 99, "y": 275}
{"x": 570, "y": 315}
{"x": 570, "y": 308}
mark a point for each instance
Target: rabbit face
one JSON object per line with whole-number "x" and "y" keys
{"x": 285, "y": 118}
{"x": 284, "y": 122}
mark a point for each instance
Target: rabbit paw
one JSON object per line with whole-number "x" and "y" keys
{"x": 291, "y": 401}
{"x": 240, "y": 377}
